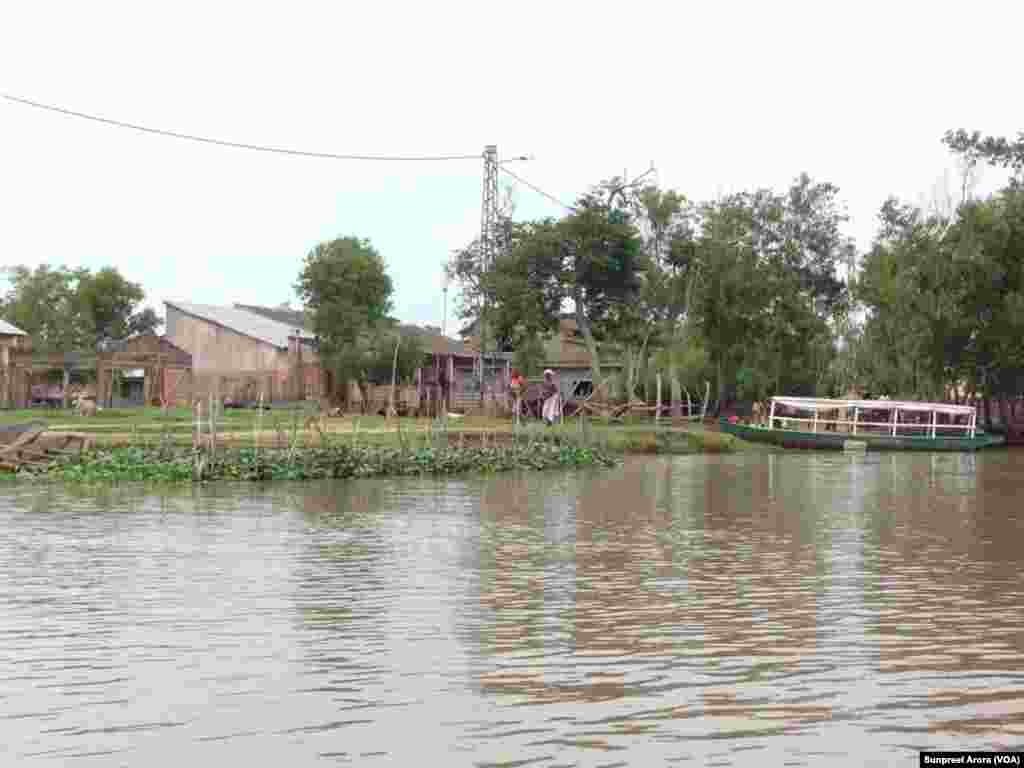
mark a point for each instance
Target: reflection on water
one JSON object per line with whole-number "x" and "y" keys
{"x": 779, "y": 608}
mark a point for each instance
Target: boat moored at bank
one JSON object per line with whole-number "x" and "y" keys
{"x": 890, "y": 425}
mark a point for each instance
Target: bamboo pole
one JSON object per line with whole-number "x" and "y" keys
{"x": 394, "y": 375}
{"x": 259, "y": 422}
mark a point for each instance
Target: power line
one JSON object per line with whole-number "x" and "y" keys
{"x": 234, "y": 144}
{"x": 536, "y": 189}
{"x": 554, "y": 199}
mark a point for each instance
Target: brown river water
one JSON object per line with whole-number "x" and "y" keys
{"x": 792, "y": 609}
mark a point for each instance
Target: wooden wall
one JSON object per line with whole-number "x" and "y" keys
{"x": 215, "y": 348}
{"x": 228, "y": 364}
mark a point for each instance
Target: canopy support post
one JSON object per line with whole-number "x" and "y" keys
{"x": 771, "y": 415}
{"x": 856, "y": 414}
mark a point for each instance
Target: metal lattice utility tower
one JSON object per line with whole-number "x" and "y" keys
{"x": 489, "y": 209}
{"x": 488, "y": 242}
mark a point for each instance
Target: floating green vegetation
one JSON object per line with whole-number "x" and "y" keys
{"x": 175, "y": 465}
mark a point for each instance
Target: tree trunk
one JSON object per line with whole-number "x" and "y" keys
{"x": 66, "y": 384}
{"x": 721, "y": 384}
{"x": 778, "y": 374}
{"x": 629, "y": 370}
{"x": 675, "y": 394}
{"x": 588, "y": 337}
{"x": 1003, "y": 421}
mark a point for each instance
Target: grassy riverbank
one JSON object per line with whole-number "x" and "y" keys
{"x": 147, "y": 427}
{"x": 145, "y": 445}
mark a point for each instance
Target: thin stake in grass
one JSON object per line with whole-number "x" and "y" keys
{"x": 259, "y": 424}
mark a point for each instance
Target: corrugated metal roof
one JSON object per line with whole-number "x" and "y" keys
{"x": 243, "y": 322}
{"x": 6, "y": 329}
{"x": 291, "y": 317}
{"x": 434, "y": 343}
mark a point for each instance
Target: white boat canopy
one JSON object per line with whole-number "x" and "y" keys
{"x": 826, "y": 404}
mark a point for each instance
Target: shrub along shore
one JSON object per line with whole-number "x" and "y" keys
{"x": 149, "y": 446}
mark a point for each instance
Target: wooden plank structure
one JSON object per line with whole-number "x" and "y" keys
{"x": 167, "y": 369}
{"x": 37, "y": 447}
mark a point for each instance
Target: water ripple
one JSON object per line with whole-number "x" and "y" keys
{"x": 709, "y": 610}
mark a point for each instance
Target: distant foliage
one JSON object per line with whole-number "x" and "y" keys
{"x": 69, "y": 310}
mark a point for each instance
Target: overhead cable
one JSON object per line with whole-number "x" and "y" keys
{"x": 234, "y": 144}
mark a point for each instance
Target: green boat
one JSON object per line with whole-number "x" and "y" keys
{"x": 872, "y": 425}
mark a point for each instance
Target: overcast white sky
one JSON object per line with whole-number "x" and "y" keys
{"x": 720, "y": 96}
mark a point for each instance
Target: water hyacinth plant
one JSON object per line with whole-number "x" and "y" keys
{"x": 434, "y": 455}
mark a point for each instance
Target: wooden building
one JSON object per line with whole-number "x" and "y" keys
{"x": 144, "y": 370}
{"x": 451, "y": 375}
{"x": 565, "y": 353}
{"x": 12, "y": 338}
{"x": 449, "y": 378}
{"x": 165, "y": 373}
{"x": 240, "y": 354}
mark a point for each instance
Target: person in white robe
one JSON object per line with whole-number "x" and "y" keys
{"x": 551, "y": 411}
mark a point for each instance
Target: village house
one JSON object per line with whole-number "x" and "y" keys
{"x": 238, "y": 354}
{"x": 11, "y": 338}
{"x": 448, "y": 379}
{"x": 565, "y": 353}
{"x": 145, "y": 369}
{"x": 452, "y": 372}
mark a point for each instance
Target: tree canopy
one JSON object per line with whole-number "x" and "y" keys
{"x": 66, "y": 309}
{"x": 345, "y": 287}
{"x": 762, "y": 292}
{"x": 641, "y": 270}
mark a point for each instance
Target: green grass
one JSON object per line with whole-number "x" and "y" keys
{"x": 149, "y": 426}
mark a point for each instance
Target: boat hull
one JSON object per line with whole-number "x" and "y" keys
{"x": 838, "y": 441}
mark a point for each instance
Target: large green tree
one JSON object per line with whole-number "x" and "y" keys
{"x": 345, "y": 288}
{"x": 394, "y": 351}
{"x": 109, "y": 307}
{"x": 590, "y": 260}
{"x": 67, "y": 310}
{"x": 993, "y": 150}
{"x": 729, "y": 306}
{"x": 990, "y": 244}
{"x": 655, "y": 319}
